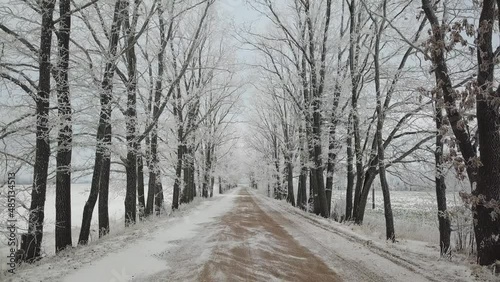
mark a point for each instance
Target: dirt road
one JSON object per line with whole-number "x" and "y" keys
{"x": 256, "y": 242}
{"x": 240, "y": 236}
{"x": 254, "y": 247}
{"x": 245, "y": 244}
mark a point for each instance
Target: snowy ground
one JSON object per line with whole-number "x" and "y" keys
{"x": 368, "y": 257}
{"x": 79, "y": 196}
{"x": 415, "y": 215}
{"x": 130, "y": 254}
{"x": 244, "y": 236}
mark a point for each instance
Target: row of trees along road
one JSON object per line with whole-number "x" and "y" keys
{"x": 343, "y": 94}
{"x": 123, "y": 79}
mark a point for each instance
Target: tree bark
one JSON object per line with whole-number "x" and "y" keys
{"x": 151, "y": 192}
{"x": 42, "y": 147}
{"x": 302, "y": 185}
{"x": 65, "y": 136}
{"x": 212, "y": 182}
{"x": 389, "y": 220}
{"x": 330, "y": 168}
{"x": 368, "y": 177}
{"x": 443, "y": 218}
{"x": 177, "y": 181}
{"x": 206, "y": 173}
{"x": 277, "y": 179}
{"x": 350, "y": 171}
{"x": 289, "y": 176}
{"x": 212, "y": 178}
{"x": 487, "y": 175}
{"x": 220, "y": 185}
{"x": 140, "y": 182}
{"x": 154, "y": 169}
{"x": 188, "y": 176}
{"x": 487, "y": 208}
{"x": 131, "y": 116}
{"x": 181, "y": 149}
{"x": 103, "y": 155}
{"x": 158, "y": 196}
{"x": 320, "y": 203}
{"x": 104, "y": 189}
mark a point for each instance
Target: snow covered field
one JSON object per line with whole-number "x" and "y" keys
{"x": 79, "y": 196}
{"x": 415, "y": 213}
{"x": 130, "y": 253}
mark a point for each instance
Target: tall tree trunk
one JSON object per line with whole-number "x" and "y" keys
{"x": 329, "y": 184}
{"x": 151, "y": 191}
{"x": 306, "y": 134}
{"x": 65, "y": 137}
{"x": 487, "y": 176}
{"x": 103, "y": 155}
{"x": 42, "y": 149}
{"x": 184, "y": 199}
{"x": 355, "y": 79}
{"x": 389, "y": 220}
{"x": 330, "y": 168}
{"x": 368, "y": 177}
{"x": 158, "y": 195}
{"x": 192, "y": 175}
{"x": 487, "y": 207}
{"x": 212, "y": 178}
{"x": 350, "y": 171}
{"x": 212, "y": 182}
{"x": 302, "y": 188}
{"x": 104, "y": 188}
{"x": 181, "y": 149}
{"x": 140, "y": 182}
{"x": 206, "y": 173}
{"x": 320, "y": 203}
{"x": 302, "y": 185}
{"x": 155, "y": 187}
{"x": 154, "y": 169}
{"x": 443, "y": 218}
{"x": 131, "y": 116}
{"x": 332, "y": 141}
{"x": 486, "y": 211}
{"x": 196, "y": 171}
{"x": 277, "y": 178}
{"x": 289, "y": 176}
{"x": 188, "y": 175}
{"x": 178, "y": 181}
{"x": 220, "y": 186}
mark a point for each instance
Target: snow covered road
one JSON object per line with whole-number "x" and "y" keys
{"x": 242, "y": 236}
{"x": 248, "y": 245}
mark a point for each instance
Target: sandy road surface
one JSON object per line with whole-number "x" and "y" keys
{"x": 255, "y": 242}
{"x": 254, "y": 247}
{"x": 245, "y": 244}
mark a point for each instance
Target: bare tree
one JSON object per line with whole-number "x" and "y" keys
{"x": 100, "y": 177}
{"x": 483, "y": 170}
{"x": 154, "y": 170}
{"x": 389, "y": 220}
{"x": 31, "y": 242}
{"x": 129, "y": 28}
{"x": 443, "y": 217}
{"x": 65, "y": 137}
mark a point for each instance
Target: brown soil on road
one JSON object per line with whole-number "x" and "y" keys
{"x": 253, "y": 247}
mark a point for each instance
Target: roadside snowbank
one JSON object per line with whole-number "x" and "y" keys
{"x": 417, "y": 256}
{"x": 122, "y": 257}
